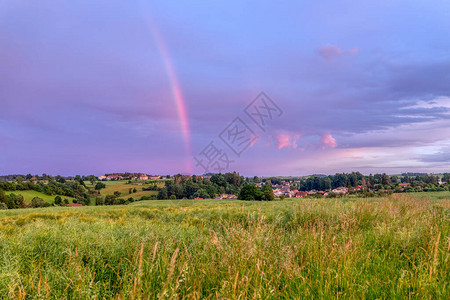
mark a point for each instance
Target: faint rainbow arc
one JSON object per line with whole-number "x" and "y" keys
{"x": 176, "y": 92}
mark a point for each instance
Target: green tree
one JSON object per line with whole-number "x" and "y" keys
{"x": 15, "y": 201}
{"x": 60, "y": 179}
{"x": 58, "y": 200}
{"x": 20, "y": 179}
{"x": 250, "y": 192}
{"x": 109, "y": 199}
{"x": 38, "y": 202}
{"x": 219, "y": 179}
{"x": 99, "y": 200}
{"x": 201, "y": 193}
{"x": 162, "y": 194}
{"x": 92, "y": 179}
{"x": 268, "y": 192}
{"x": 385, "y": 180}
{"x": 100, "y": 185}
{"x": 3, "y": 198}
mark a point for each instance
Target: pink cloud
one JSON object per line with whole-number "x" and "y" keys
{"x": 283, "y": 140}
{"x": 328, "y": 141}
{"x": 353, "y": 51}
{"x": 253, "y": 142}
{"x": 329, "y": 52}
{"x": 286, "y": 140}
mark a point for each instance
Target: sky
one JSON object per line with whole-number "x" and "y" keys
{"x": 94, "y": 87}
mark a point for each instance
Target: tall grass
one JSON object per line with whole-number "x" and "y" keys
{"x": 395, "y": 247}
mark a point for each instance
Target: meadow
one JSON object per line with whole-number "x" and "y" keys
{"x": 122, "y": 186}
{"x": 28, "y": 195}
{"x": 111, "y": 186}
{"x": 378, "y": 248}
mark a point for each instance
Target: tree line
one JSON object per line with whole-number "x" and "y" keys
{"x": 192, "y": 187}
{"x": 377, "y": 181}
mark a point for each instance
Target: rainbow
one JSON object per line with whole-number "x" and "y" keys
{"x": 177, "y": 93}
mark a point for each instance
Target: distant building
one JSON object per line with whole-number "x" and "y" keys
{"x": 340, "y": 190}
{"x": 114, "y": 177}
{"x": 357, "y": 188}
{"x": 227, "y": 196}
{"x": 277, "y": 193}
{"x": 143, "y": 177}
{"x": 299, "y": 194}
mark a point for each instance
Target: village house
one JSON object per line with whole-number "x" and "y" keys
{"x": 143, "y": 177}
{"x": 114, "y": 177}
{"x": 357, "y": 188}
{"x": 299, "y": 194}
{"x": 403, "y": 186}
{"x": 277, "y": 192}
{"x": 340, "y": 190}
{"x": 227, "y": 196}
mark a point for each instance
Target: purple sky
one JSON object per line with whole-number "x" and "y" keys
{"x": 91, "y": 86}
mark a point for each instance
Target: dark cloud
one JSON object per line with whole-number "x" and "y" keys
{"x": 90, "y": 78}
{"x": 440, "y": 157}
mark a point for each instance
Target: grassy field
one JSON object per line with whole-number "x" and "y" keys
{"x": 111, "y": 187}
{"x": 396, "y": 247}
{"x": 431, "y": 195}
{"x": 123, "y": 187}
{"x": 30, "y": 194}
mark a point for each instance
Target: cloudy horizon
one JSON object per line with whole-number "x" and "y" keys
{"x": 112, "y": 86}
